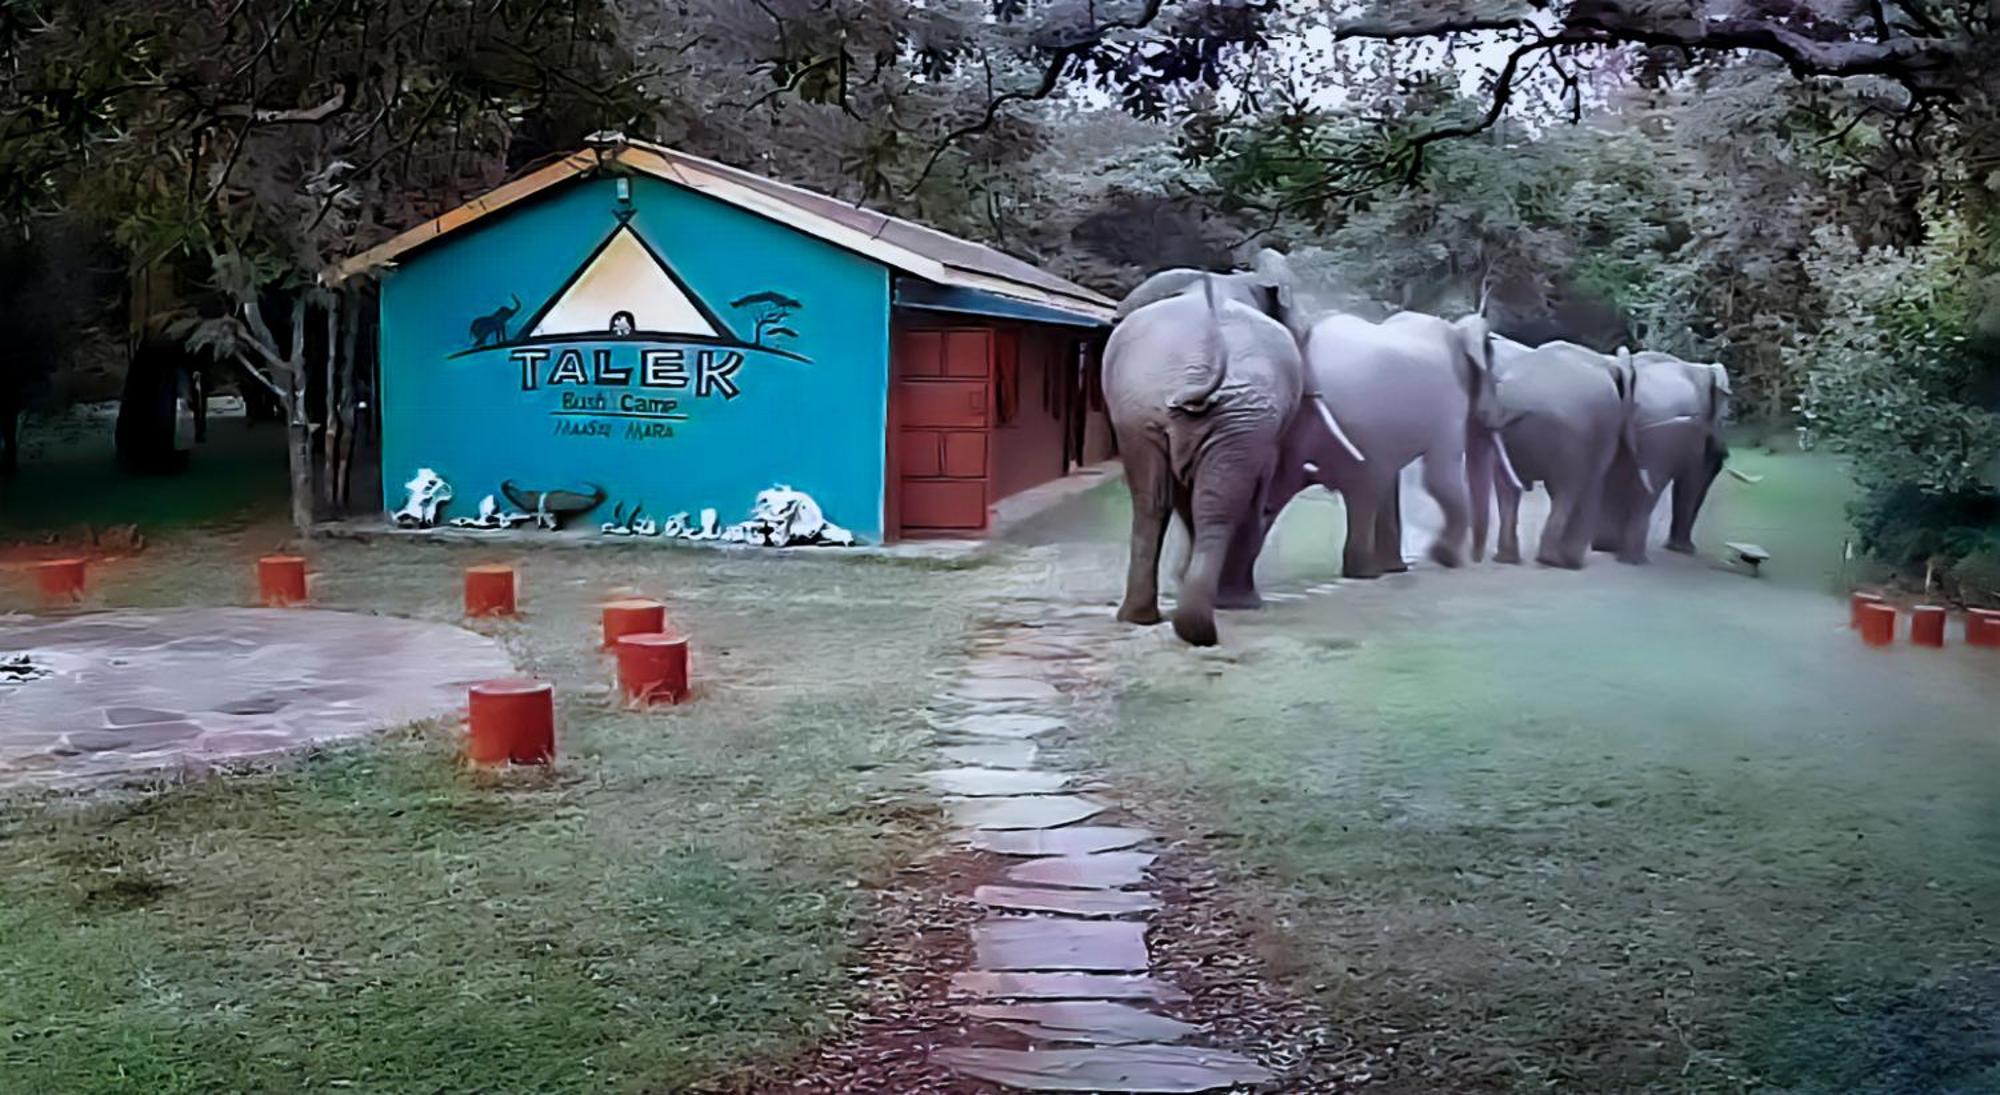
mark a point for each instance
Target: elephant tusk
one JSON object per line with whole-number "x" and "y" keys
{"x": 1746, "y": 477}
{"x": 1674, "y": 421}
{"x": 1310, "y": 468}
{"x": 1645, "y": 482}
{"x": 1333, "y": 427}
{"x": 1506, "y": 462}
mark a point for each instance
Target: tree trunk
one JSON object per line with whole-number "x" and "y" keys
{"x": 298, "y": 416}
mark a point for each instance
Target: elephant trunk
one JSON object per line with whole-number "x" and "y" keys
{"x": 1212, "y": 365}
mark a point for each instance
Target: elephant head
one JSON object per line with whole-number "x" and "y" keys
{"x": 1268, "y": 286}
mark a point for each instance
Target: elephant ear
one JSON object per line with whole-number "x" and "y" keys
{"x": 1718, "y": 407}
{"x": 1165, "y": 284}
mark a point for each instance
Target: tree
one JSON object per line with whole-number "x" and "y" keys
{"x": 255, "y": 147}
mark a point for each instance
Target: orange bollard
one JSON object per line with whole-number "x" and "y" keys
{"x": 1878, "y": 624}
{"x": 1982, "y": 627}
{"x": 653, "y": 668}
{"x": 60, "y": 580}
{"x": 511, "y": 720}
{"x": 281, "y": 580}
{"x": 1927, "y": 625}
{"x": 633, "y": 617}
{"x": 489, "y": 591}
{"x": 1856, "y": 602}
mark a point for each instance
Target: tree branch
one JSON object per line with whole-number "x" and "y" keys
{"x": 1052, "y": 73}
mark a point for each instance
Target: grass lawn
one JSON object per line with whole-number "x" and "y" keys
{"x": 70, "y": 476}
{"x": 676, "y": 904}
{"x": 1663, "y": 828}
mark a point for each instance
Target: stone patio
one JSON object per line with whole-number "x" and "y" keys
{"x": 129, "y": 693}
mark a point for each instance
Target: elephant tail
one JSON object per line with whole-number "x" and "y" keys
{"x": 1214, "y": 360}
{"x": 1625, "y": 377}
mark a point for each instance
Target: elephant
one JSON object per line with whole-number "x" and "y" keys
{"x": 1565, "y": 416}
{"x": 1677, "y": 417}
{"x": 1201, "y": 375}
{"x": 1380, "y": 396}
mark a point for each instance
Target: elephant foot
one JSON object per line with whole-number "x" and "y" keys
{"x": 1629, "y": 558}
{"x": 1559, "y": 562}
{"x": 1604, "y": 545}
{"x": 1361, "y": 574}
{"x": 1511, "y": 558}
{"x": 1195, "y": 629}
{"x": 1682, "y": 547}
{"x": 1143, "y": 615}
{"x": 1239, "y": 598}
{"x": 1447, "y": 556}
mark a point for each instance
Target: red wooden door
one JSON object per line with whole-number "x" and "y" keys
{"x": 942, "y": 408}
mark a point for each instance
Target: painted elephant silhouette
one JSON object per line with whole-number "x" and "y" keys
{"x": 492, "y": 327}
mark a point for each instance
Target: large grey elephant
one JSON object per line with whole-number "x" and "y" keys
{"x": 1566, "y": 414}
{"x": 1201, "y": 376}
{"x": 1380, "y": 395}
{"x": 1677, "y": 419}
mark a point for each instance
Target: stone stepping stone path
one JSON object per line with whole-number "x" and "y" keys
{"x": 1102, "y": 871}
{"x": 1060, "y": 957}
{"x": 992, "y": 754}
{"x": 1021, "y": 811}
{"x": 1049, "y": 943}
{"x": 990, "y": 782}
{"x": 1075, "y": 840}
{"x": 987, "y": 724}
{"x": 1066, "y": 902}
{"x": 1163, "y": 1068}
{"x": 1098, "y": 1022}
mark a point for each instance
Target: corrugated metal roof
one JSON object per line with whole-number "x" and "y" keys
{"x": 904, "y": 245}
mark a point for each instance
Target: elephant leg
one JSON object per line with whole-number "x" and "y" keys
{"x": 1223, "y": 501}
{"x": 1508, "y": 548}
{"x": 1389, "y": 531}
{"x": 1479, "y": 462}
{"x": 1238, "y": 587}
{"x": 1364, "y": 499}
{"x": 1444, "y": 480}
{"x": 1152, "y": 487}
{"x": 1183, "y": 508}
{"x": 1690, "y": 491}
{"x": 1614, "y": 505}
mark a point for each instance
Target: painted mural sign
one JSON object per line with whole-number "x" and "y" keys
{"x": 628, "y": 348}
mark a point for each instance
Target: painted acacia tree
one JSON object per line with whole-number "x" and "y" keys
{"x": 249, "y": 146}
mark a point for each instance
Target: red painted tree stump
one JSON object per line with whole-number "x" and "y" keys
{"x": 281, "y": 580}
{"x": 60, "y": 580}
{"x": 1856, "y": 602}
{"x": 511, "y": 720}
{"x": 1878, "y": 624}
{"x": 1982, "y": 627}
{"x": 632, "y": 617}
{"x": 653, "y": 668}
{"x": 1927, "y": 625}
{"x": 489, "y": 591}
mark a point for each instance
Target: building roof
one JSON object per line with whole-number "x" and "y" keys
{"x": 899, "y": 244}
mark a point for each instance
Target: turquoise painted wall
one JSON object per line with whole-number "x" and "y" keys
{"x": 675, "y": 421}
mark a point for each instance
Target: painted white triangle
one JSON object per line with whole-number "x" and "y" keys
{"x": 623, "y": 278}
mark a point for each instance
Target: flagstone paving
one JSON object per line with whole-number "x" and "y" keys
{"x": 1099, "y": 1022}
{"x": 1021, "y": 811}
{"x": 1158, "y": 1068}
{"x": 990, "y": 724}
{"x": 992, "y": 754}
{"x": 992, "y": 782}
{"x": 130, "y": 693}
{"x": 1100, "y": 871}
{"x": 1066, "y": 902}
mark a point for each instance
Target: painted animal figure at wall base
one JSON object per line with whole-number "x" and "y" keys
{"x": 1677, "y": 445}
{"x": 1382, "y": 395}
{"x": 1566, "y": 416}
{"x": 1201, "y": 376}
{"x": 551, "y": 507}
